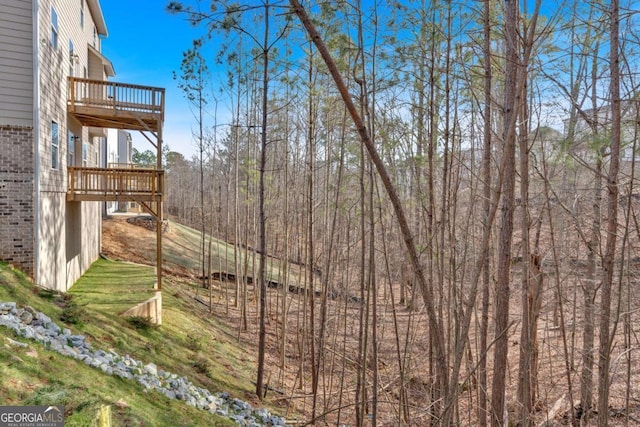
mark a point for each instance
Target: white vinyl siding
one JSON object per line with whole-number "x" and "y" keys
{"x": 60, "y": 263}
{"x": 16, "y": 63}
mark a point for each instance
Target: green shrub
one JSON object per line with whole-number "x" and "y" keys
{"x": 72, "y": 313}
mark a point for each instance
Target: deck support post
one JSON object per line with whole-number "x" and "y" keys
{"x": 159, "y": 213}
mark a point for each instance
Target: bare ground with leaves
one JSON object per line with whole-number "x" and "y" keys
{"x": 559, "y": 346}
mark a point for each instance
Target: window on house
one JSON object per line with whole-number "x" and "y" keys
{"x": 55, "y": 143}
{"x": 81, "y": 13}
{"x": 95, "y": 37}
{"x": 72, "y": 58}
{"x": 71, "y": 150}
{"x": 85, "y": 155}
{"x": 54, "y": 28}
{"x": 97, "y": 159}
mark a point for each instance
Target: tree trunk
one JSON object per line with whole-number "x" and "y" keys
{"x": 507, "y": 208}
{"x": 434, "y": 321}
{"x": 263, "y": 238}
{"x": 486, "y": 207}
{"x": 612, "y": 220}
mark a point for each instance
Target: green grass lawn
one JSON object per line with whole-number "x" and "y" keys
{"x": 113, "y": 287}
{"x": 189, "y": 343}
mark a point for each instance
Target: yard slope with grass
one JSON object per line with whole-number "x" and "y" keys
{"x": 189, "y": 343}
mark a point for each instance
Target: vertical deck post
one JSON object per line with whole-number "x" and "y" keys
{"x": 159, "y": 211}
{"x": 72, "y": 93}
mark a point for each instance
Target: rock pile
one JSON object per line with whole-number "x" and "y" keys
{"x": 31, "y": 324}
{"x": 148, "y": 222}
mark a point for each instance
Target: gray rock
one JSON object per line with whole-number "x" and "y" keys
{"x": 53, "y": 327}
{"x": 261, "y": 413}
{"x": 76, "y": 340}
{"x": 151, "y": 369}
{"x": 28, "y": 332}
{"x": 238, "y": 419}
{"x": 51, "y": 332}
{"x": 42, "y": 319}
{"x": 26, "y": 317}
{"x": 7, "y": 306}
{"x": 124, "y": 374}
{"x": 10, "y": 322}
{"x": 28, "y": 323}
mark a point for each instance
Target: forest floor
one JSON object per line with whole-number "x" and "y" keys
{"x": 288, "y": 375}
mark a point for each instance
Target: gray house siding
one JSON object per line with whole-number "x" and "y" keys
{"x": 16, "y": 63}
{"x": 69, "y": 232}
{"x": 51, "y": 239}
{"x": 17, "y": 164}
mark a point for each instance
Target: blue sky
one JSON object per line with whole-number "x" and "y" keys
{"x": 145, "y": 45}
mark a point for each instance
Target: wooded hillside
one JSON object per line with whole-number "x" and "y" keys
{"x": 455, "y": 182}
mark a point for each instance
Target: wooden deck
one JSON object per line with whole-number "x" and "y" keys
{"x": 115, "y": 184}
{"x": 105, "y": 104}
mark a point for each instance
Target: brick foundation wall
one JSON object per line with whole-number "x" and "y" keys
{"x": 17, "y": 211}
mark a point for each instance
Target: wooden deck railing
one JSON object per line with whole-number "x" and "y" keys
{"x": 115, "y": 96}
{"x": 111, "y": 183}
{"x": 117, "y": 165}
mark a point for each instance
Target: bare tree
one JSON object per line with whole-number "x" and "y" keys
{"x": 604, "y": 359}
{"x": 509, "y": 110}
{"x": 486, "y": 207}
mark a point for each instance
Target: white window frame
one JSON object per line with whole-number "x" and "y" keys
{"x": 81, "y": 13}
{"x": 72, "y": 59}
{"x": 55, "y": 145}
{"x": 85, "y": 155}
{"x": 55, "y": 33}
{"x": 71, "y": 149}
